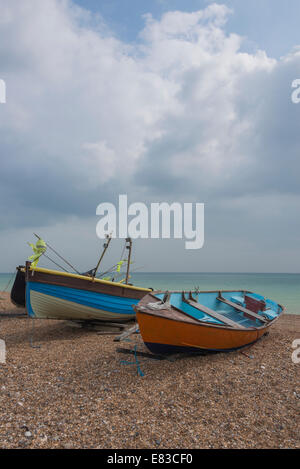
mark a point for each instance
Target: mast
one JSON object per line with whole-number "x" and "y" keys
{"x": 129, "y": 247}
{"x": 105, "y": 245}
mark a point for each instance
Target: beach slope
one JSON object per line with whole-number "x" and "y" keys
{"x": 64, "y": 387}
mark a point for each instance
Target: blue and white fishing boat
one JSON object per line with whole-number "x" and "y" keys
{"x": 52, "y": 294}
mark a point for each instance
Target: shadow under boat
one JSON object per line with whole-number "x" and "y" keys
{"x": 172, "y": 322}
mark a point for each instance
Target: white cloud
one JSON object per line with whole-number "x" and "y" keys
{"x": 182, "y": 113}
{"x": 102, "y": 159}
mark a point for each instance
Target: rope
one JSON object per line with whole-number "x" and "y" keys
{"x": 45, "y": 255}
{"x": 107, "y": 271}
{"x": 3, "y": 291}
{"x": 55, "y": 252}
{"x": 136, "y": 362}
{"x": 31, "y": 336}
{"x": 122, "y": 253}
{"x": 10, "y": 280}
{"x": 110, "y": 270}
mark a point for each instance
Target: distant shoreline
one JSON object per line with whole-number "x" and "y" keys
{"x": 200, "y": 273}
{"x": 280, "y": 287}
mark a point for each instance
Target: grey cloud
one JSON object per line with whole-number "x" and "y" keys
{"x": 182, "y": 116}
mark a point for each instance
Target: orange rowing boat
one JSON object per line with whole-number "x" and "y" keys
{"x": 172, "y": 322}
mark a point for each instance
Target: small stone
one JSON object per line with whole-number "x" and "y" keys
{"x": 28, "y": 434}
{"x": 194, "y": 412}
{"x": 68, "y": 446}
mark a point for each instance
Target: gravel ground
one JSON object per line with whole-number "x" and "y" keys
{"x": 72, "y": 391}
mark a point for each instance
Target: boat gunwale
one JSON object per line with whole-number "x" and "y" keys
{"x": 155, "y": 292}
{"x": 85, "y": 277}
{"x": 198, "y": 322}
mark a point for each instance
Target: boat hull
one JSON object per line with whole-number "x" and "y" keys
{"x": 163, "y": 335}
{"x": 17, "y": 294}
{"x": 57, "y": 296}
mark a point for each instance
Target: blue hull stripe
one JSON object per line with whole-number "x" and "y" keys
{"x": 114, "y": 304}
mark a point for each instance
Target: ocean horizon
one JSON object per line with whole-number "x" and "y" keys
{"x": 283, "y": 288}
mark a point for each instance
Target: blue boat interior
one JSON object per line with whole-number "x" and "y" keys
{"x": 210, "y": 300}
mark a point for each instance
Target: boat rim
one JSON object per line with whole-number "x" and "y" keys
{"x": 85, "y": 277}
{"x": 204, "y": 323}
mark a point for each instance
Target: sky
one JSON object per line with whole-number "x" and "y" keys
{"x": 165, "y": 101}
{"x": 271, "y": 25}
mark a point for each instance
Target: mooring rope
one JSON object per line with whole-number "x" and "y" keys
{"x": 9, "y": 282}
{"x": 31, "y": 335}
{"x": 136, "y": 362}
{"x": 4, "y": 291}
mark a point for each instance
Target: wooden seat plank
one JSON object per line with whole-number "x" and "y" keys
{"x": 242, "y": 309}
{"x": 204, "y": 309}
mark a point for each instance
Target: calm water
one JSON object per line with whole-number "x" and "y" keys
{"x": 283, "y": 288}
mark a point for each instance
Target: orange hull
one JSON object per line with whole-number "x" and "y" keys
{"x": 163, "y": 335}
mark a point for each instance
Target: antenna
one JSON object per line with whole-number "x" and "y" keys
{"x": 129, "y": 247}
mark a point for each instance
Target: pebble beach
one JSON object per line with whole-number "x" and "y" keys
{"x": 67, "y": 387}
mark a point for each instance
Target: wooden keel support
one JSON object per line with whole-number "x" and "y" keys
{"x": 127, "y": 333}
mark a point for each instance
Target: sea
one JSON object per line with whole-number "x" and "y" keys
{"x": 283, "y": 288}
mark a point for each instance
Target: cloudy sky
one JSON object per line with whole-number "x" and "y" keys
{"x": 186, "y": 101}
